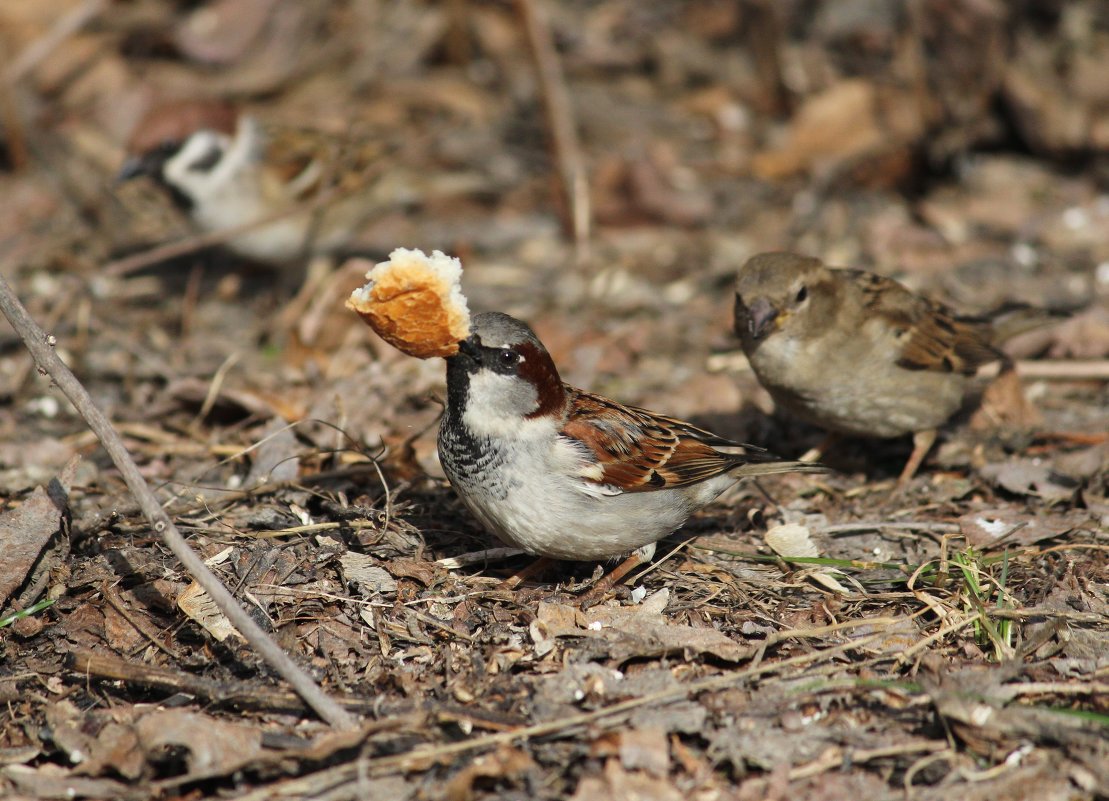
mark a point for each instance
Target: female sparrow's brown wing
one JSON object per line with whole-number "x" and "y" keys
{"x": 634, "y": 450}
{"x": 929, "y": 336}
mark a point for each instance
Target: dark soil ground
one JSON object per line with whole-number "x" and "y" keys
{"x": 948, "y": 642}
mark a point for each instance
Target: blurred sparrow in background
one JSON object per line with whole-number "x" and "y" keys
{"x": 859, "y": 354}
{"x": 227, "y": 169}
{"x": 566, "y": 474}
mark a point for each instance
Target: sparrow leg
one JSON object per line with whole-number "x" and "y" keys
{"x": 815, "y": 454}
{"x": 922, "y": 443}
{"x": 526, "y": 572}
{"x": 606, "y": 583}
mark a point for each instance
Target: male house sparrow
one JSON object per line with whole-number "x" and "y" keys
{"x": 858, "y": 353}
{"x": 227, "y": 169}
{"x": 563, "y": 473}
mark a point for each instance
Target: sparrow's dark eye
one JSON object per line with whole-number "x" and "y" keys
{"x": 209, "y": 160}
{"x": 508, "y": 358}
{"x": 802, "y": 293}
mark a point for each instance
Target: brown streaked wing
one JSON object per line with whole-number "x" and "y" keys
{"x": 639, "y": 451}
{"x": 932, "y": 337}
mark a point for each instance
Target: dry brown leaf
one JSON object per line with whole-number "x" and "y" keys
{"x": 645, "y": 749}
{"x": 27, "y": 529}
{"x": 364, "y": 572}
{"x": 221, "y": 32}
{"x": 837, "y": 124}
{"x": 636, "y": 631}
{"x": 618, "y": 784}
{"x": 791, "y": 539}
{"x": 989, "y": 527}
{"x": 199, "y": 606}
{"x": 1030, "y": 477}
{"x": 215, "y": 747}
{"x": 1005, "y": 404}
{"x": 121, "y": 635}
{"x": 506, "y": 763}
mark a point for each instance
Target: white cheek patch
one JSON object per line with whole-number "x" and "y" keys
{"x": 202, "y": 185}
{"x": 497, "y": 406}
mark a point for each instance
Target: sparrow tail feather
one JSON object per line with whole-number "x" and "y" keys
{"x": 745, "y": 469}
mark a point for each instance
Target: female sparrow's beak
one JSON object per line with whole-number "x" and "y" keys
{"x": 760, "y": 317}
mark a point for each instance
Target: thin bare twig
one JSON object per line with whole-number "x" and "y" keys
{"x": 896, "y": 525}
{"x": 1063, "y": 369}
{"x": 41, "y": 347}
{"x": 560, "y": 118}
{"x": 477, "y": 557}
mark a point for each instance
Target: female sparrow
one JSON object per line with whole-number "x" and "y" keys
{"x": 227, "y": 169}
{"x": 563, "y": 473}
{"x": 858, "y": 353}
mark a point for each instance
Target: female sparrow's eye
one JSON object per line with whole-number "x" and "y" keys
{"x": 802, "y": 293}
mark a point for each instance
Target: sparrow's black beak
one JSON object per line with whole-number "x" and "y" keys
{"x": 760, "y": 317}
{"x": 147, "y": 164}
{"x": 471, "y": 347}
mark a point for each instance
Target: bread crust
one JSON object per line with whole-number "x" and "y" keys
{"x": 414, "y": 302}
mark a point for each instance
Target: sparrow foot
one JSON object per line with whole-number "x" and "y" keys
{"x": 524, "y": 573}
{"x": 922, "y": 443}
{"x": 598, "y": 591}
{"x": 816, "y": 453}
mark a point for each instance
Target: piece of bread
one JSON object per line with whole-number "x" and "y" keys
{"x": 415, "y": 303}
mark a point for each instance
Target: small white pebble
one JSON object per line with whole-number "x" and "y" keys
{"x": 595, "y": 626}
{"x": 679, "y": 292}
{"x": 46, "y": 405}
{"x": 44, "y": 284}
{"x": 579, "y": 694}
{"x": 1102, "y": 273}
{"x": 638, "y": 594}
{"x": 1076, "y": 217}
{"x": 1018, "y": 756}
{"x": 980, "y": 715}
{"x": 1024, "y": 254}
{"x": 1036, "y": 391}
{"x": 733, "y": 117}
{"x": 994, "y": 528}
